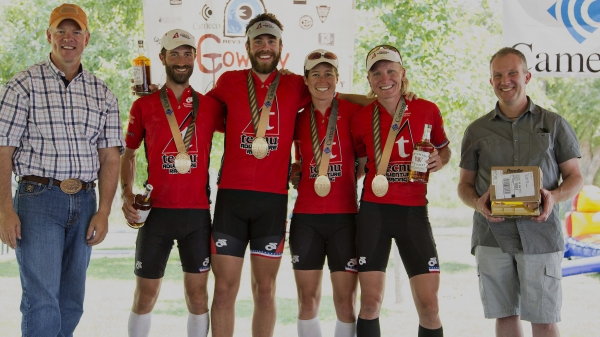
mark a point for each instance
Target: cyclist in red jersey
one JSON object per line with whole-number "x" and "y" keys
{"x": 391, "y": 206}
{"x": 324, "y": 226}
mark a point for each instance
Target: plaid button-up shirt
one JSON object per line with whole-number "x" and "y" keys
{"x": 58, "y": 129}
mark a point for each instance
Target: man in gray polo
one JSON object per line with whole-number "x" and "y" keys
{"x": 519, "y": 260}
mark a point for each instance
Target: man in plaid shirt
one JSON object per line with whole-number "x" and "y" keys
{"x": 60, "y": 130}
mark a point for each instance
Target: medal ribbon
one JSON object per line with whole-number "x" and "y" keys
{"x": 182, "y": 144}
{"x": 259, "y": 122}
{"x": 382, "y": 160}
{"x": 322, "y": 157}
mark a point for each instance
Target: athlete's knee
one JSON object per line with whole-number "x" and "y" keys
{"x": 346, "y": 311}
{"x": 144, "y": 301}
{"x": 197, "y": 301}
{"x": 308, "y": 305}
{"x": 428, "y": 307}
{"x": 264, "y": 293}
{"x": 370, "y": 306}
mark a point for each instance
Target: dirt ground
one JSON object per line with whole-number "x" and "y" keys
{"x": 108, "y": 302}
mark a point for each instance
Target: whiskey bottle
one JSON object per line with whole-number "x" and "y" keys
{"x": 143, "y": 203}
{"x": 418, "y": 166}
{"x": 141, "y": 71}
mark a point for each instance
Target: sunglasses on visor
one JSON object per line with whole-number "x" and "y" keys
{"x": 319, "y": 55}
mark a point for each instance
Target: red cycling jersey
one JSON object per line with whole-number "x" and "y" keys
{"x": 419, "y": 112}
{"x": 240, "y": 169}
{"x": 148, "y": 123}
{"x": 341, "y": 171}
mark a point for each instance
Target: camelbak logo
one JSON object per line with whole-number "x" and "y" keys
{"x": 221, "y": 243}
{"x": 580, "y": 17}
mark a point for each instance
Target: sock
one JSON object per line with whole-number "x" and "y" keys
{"x": 368, "y": 327}
{"x": 197, "y": 325}
{"x": 139, "y": 325}
{"x": 343, "y": 329}
{"x": 424, "y": 332}
{"x": 309, "y": 327}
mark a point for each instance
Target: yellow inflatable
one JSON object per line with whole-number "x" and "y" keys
{"x": 582, "y": 223}
{"x": 588, "y": 200}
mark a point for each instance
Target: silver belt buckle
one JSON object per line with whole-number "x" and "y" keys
{"x": 70, "y": 186}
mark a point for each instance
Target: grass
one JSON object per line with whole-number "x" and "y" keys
{"x": 455, "y": 267}
{"x": 121, "y": 268}
{"x": 287, "y": 309}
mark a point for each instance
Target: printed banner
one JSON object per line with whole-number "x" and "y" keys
{"x": 219, "y": 28}
{"x": 560, "y": 38}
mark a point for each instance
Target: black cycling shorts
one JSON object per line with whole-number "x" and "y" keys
{"x": 408, "y": 225}
{"x": 242, "y": 216}
{"x": 314, "y": 236}
{"x": 191, "y": 229}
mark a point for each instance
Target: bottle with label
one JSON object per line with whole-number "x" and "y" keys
{"x": 141, "y": 71}
{"x": 143, "y": 203}
{"x": 418, "y": 166}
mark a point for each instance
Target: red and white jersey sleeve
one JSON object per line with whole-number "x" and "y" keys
{"x": 240, "y": 169}
{"x": 419, "y": 112}
{"x": 148, "y": 123}
{"x": 341, "y": 170}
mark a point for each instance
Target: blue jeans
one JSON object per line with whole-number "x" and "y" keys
{"x": 53, "y": 256}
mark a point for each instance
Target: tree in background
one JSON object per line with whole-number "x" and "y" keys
{"x": 446, "y": 47}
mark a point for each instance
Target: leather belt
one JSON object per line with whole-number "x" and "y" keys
{"x": 69, "y": 186}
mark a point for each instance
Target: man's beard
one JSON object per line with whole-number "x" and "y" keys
{"x": 264, "y": 68}
{"x": 178, "y": 78}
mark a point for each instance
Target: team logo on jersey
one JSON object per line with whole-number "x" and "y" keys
{"x": 271, "y": 246}
{"x": 188, "y": 103}
{"x": 295, "y": 258}
{"x": 362, "y": 260}
{"x": 335, "y": 159}
{"x": 138, "y": 265}
{"x": 170, "y": 151}
{"x": 399, "y": 165}
{"x": 351, "y": 266}
{"x": 271, "y": 133}
{"x": 433, "y": 265}
{"x": 205, "y": 265}
{"x": 221, "y": 243}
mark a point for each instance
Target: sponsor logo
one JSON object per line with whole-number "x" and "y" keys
{"x": 238, "y": 14}
{"x": 206, "y": 12}
{"x": 221, "y": 243}
{"x": 362, "y": 260}
{"x": 351, "y": 266}
{"x": 130, "y": 134}
{"x": 295, "y": 258}
{"x": 557, "y": 62}
{"x": 433, "y": 265}
{"x": 206, "y": 262}
{"x": 306, "y": 22}
{"x": 581, "y": 18}
{"x": 326, "y": 39}
{"x": 131, "y": 119}
{"x": 138, "y": 265}
{"x": 271, "y": 246}
{"x": 323, "y": 12}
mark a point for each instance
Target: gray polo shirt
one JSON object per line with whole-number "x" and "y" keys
{"x": 537, "y": 138}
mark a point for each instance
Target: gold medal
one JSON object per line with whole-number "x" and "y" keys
{"x": 379, "y": 185}
{"x": 260, "y": 148}
{"x": 183, "y": 163}
{"x": 322, "y": 185}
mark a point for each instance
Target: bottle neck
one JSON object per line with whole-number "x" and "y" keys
{"x": 147, "y": 195}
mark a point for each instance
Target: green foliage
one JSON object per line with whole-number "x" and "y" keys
{"x": 121, "y": 268}
{"x": 9, "y": 268}
{"x": 455, "y": 267}
{"x": 578, "y": 100}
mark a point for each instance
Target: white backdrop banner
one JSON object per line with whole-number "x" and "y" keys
{"x": 560, "y": 38}
{"x": 219, "y": 27}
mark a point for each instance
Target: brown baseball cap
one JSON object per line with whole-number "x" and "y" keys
{"x": 68, "y": 11}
